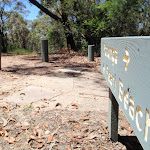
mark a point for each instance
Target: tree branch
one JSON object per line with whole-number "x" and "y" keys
{"x": 45, "y": 10}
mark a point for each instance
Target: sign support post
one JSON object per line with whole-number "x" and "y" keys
{"x": 113, "y": 117}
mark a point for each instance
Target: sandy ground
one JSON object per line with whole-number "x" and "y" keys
{"x": 68, "y": 86}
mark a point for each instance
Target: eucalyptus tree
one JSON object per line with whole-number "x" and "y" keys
{"x": 17, "y": 30}
{"x": 71, "y": 14}
{"x": 5, "y": 7}
{"x": 39, "y": 29}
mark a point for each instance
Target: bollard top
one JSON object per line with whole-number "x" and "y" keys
{"x": 91, "y": 45}
{"x": 44, "y": 40}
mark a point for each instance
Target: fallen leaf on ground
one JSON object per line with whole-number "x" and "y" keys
{"x": 35, "y": 132}
{"x": 73, "y": 121}
{"x": 25, "y": 127}
{"x": 18, "y": 125}
{"x": 33, "y": 144}
{"x": 40, "y": 133}
{"x": 22, "y": 94}
{"x": 6, "y": 133}
{"x": 91, "y": 136}
{"x": 11, "y": 140}
{"x": 78, "y": 135}
{"x": 58, "y": 104}
{"x": 74, "y": 105}
{"x": 4, "y": 122}
{"x": 2, "y": 133}
{"x": 1, "y": 128}
{"x": 50, "y": 138}
{"x": 28, "y": 140}
{"x": 105, "y": 131}
{"x": 40, "y": 145}
{"x": 78, "y": 126}
{"x": 83, "y": 119}
{"x": 9, "y": 118}
{"x": 127, "y": 128}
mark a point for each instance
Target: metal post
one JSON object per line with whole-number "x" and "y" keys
{"x": 91, "y": 52}
{"x": 113, "y": 117}
{"x": 44, "y": 50}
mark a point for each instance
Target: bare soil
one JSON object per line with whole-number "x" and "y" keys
{"x": 70, "y": 115}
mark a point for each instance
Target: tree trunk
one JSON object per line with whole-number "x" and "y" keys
{"x": 69, "y": 38}
{"x": 71, "y": 43}
{"x": 4, "y": 50}
{"x": 67, "y": 29}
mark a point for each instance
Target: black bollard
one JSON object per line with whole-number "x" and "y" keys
{"x": 90, "y": 52}
{"x": 44, "y": 49}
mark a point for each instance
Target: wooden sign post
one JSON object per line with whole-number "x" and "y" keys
{"x": 125, "y": 64}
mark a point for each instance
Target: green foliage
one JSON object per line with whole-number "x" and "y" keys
{"x": 56, "y": 37}
{"x": 80, "y": 23}
{"x": 28, "y": 107}
{"x": 21, "y": 52}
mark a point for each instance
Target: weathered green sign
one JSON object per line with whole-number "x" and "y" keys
{"x": 125, "y": 64}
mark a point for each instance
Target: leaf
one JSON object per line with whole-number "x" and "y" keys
{"x": 73, "y": 121}
{"x": 84, "y": 119}
{"x": 79, "y": 135}
{"x": 10, "y": 140}
{"x": 40, "y": 133}
{"x": 127, "y": 128}
{"x": 6, "y": 133}
{"x": 25, "y": 127}
{"x": 91, "y": 136}
{"x": 22, "y": 94}
{"x": 50, "y": 138}
{"x": 35, "y": 132}
{"x": 76, "y": 107}
{"x": 58, "y": 104}
{"x": 27, "y": 142}
{"x": 78, "y": 127}
{"x": 105, "y": 131}
{"x": 1, "y": 128}
{"x": 4, "y": 122}
{"x": 40, "y": 145}
{"x": 9, "y": 118}
{"x": 2, "y": 133}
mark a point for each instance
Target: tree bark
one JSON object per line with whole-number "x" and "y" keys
{"x": 45, "y": 10}
{"x": 4, "y": 50}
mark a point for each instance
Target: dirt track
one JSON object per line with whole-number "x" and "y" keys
{"x": 62, "y": 104}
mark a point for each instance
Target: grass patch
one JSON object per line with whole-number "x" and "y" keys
{"x": 28, "y": 107}
{"x": 21, "y": 52}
